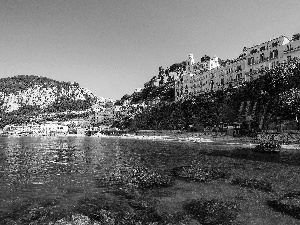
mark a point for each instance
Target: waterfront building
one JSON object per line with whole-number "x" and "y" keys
{"x": 212, "y": 74}
{"x": 291, "y": 50}
{"x": 197, "y": 77}
{"x": 48, "y": 128}
{"x": 265, "y": 56}
{"x": 52, "y": 128}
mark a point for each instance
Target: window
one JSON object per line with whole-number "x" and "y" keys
{"x": 274, "y": 44}
{"x": 262, "y": 48}
{"x": 253, "y": 51}
{"x": 249, "y": 61}
{"x": 262, "y": 56}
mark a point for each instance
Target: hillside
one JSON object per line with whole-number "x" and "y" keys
{"x": 272, "y": 99}
{"x": 159, "y": 88}
{"x": 25, "y": 95}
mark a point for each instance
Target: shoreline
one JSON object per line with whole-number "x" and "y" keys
{"x": 186, "y": 137}
{"x": 244, "y": 142}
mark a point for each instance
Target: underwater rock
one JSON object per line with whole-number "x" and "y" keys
{"x": 34, "y": 211}
{"x": 261, "y": 185}
{"x": 197, "y": 173}
{"x": 288, "y": 204}
{"x": 76, "y": 219}
{"x": 140, "y": 177}
{"x": 118, "y": 212}
{"x": 212, "y": 212}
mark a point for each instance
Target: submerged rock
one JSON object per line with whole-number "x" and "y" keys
{"x": 138, "y": 176}
{"x": 34, "y": 211}
{"x": 197, "y": 173}
{"x": 118, "y": 212}
{"x": 212, "y": 212}
{"x": 253, "y": 183}
{"x": 288, "y": 204}
{"x": 76, "y": 219}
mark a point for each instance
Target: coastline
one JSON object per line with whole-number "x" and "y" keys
{"x": 200, "y": 138}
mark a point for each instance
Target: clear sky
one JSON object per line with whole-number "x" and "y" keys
{"x": 113, "y": 46}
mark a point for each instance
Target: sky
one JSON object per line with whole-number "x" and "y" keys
{"x": 112, "y": 47}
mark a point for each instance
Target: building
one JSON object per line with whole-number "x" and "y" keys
{"x": 265, "y": 56}
{"x": 212, "y": 74}
{"x": 52, "y": 128}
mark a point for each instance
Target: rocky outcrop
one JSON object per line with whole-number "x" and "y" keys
{"x": 33, "y": 92}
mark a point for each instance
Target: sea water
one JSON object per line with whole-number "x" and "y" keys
{"x": 63, "y": 174}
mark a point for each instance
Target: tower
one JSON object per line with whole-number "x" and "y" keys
{"x": 190, "y": 64}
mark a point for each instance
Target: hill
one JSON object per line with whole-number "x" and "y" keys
{"x": 272, "y": 99}
{"x": 25, "y": 96}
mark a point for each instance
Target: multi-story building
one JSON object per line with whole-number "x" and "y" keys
{"x": 196, "y": 78}
{"x": 211, "y": 74}
{"x": 265, "y": 56}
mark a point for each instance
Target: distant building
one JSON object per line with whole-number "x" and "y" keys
{"x": 53, "y": 128}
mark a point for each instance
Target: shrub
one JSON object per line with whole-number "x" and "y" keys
{"x": 268, "y": 147}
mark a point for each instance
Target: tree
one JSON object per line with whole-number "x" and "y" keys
{"x": 296, "y": 37}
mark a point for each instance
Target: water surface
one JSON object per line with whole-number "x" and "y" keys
{"x": 68, "y": 169}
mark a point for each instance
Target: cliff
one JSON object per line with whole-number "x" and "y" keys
{"x": 43, "y": 93}
{"x": 28, "y": 98}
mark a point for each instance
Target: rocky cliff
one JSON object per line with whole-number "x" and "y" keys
{"x": 43, "y": 93}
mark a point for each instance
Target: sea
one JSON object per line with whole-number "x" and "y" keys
{"x": 63, "y": 172}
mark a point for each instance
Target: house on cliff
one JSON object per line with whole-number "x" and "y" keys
{"x": 212, "y": 74}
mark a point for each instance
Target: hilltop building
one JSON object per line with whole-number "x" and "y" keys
{"x": 212, "y": 74}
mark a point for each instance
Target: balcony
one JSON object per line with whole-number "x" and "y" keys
{"x": 292, "y": 49}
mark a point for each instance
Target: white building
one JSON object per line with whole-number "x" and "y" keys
{"x": 50, "y": 128}
{"x": 209, "y": 75}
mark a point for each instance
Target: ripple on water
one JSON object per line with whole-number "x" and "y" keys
{"x": 105, "y": 179}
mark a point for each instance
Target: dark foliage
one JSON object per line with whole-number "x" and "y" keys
{"x": 23, "y": 82}
{"x": 64, "y": 103}
{"x": 276, "y": 92}
{"x": 296, "y": 37}
{"x": 268, "y": 147}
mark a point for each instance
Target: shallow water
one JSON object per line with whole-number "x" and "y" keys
{"x": 68, "y": 170}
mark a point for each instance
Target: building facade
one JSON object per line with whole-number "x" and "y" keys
{"x": 212, "y": 74}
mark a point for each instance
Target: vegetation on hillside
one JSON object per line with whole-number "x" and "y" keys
{"x": 64, "y": 103}
{"x": 164, "y": 91}
{"x": 276, "y": 91}
{"x": 22, "y": 82}
{"x": 27, "y": 113}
